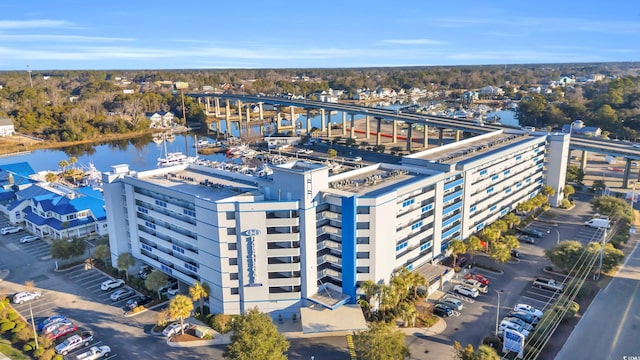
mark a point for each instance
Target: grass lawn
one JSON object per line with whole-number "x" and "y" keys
{"x": 11, "y": 352}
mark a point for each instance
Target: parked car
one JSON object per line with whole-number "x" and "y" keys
{"x": 122, "y": 294}
{"x": 477, "y": 277}
{"x": 10, "y": 230}
{"x": 466, "y": 291}
{"x": 526, "y": 238}
{"x": 138, "y": 301}
{"x": 528, "y": 309}
{"x": 73, "y": 342}
{"x": 548, "y": 284}
{"x": 52, "y": 327}
{"x": 62, "y": 331}
{"x": 144, "y": 271}
{"x": 111, "y": 284}
{"x": 21, "y": 297}
{"x": 504, "y": 324}
{"x": 523, "y": 324}
{"x": 442, "y": 310}
{"x": 28, "y": 239}
{"x": 171, "y": 283}
{"x": 50, "y": 320}
{"x": 95, "y": 353}
{"x": 174, "y": 329}
{"x": 476, "y": 285}
{"x": 526, "y": 317}
{"x": 515, "y": 253}
{"x": 455, "y": 304}
{"x": 531, "y": 232}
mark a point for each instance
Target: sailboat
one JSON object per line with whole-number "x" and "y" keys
{"x": 174, "y": 158}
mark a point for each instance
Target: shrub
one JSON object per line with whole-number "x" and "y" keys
{"x": 29, "y": 346}
{"x": 24, "y": 334}
{"x": 47, "y": 354}
{"x": 573, "y": 308}
{"x": 58, "y": 357}
{"x": 137, "y": 309}
{"x": 221, "y": 323}
{"x": 207, "y": 336}
{"x": 6, "y": 326}
{"x": 19, "y": 326}
{"x": 12, "y": 315}
{"x": 565, "y": 204}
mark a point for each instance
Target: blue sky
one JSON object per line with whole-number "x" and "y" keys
{"x": 142, "y": 34}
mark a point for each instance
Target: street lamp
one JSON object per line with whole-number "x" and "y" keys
{"x": 497, "y": 311}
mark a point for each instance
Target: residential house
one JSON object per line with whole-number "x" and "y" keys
{"x": 490, "y": 91}
{"x": 160, "y": 119}
{"x": 6, "y": 127}
{"x": 577, "y": 127}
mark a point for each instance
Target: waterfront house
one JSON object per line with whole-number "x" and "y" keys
{"x": 577, "y": 127}
{"x": 6, "y": 127}
{"x": 160, "y": 119}
{"x": 490, "y": 91}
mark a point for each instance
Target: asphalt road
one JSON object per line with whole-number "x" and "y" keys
{"x": 610, "y": 325}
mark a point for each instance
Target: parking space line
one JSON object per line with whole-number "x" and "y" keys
{"x": 75, "y": 276}
{"x": 530, "y": 298}
{"x": 92, "y": 280}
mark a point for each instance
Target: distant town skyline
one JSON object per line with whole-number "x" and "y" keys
{"x": 71, "y": 34}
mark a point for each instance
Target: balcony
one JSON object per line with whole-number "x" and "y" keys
{"x": 332, "y": 259}
{"x": 329, "y": 230}
{"x": 331, "y": 215}
{"x": 284, "y": 282}
{"x": 329, "y": 244}
{"x": 283, "y": 252}
{"x": 329, "y": 272}
{"x": 283, "y": 267}
{"x": 273, "y": 222}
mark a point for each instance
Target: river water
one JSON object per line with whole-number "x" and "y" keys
{"x": 142, "y": 153}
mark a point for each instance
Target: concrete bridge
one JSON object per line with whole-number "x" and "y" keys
{"x": 586, "y": 145}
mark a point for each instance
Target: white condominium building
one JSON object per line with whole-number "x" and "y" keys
{"x": 304, "y": 235}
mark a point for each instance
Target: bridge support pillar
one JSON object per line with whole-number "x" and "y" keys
{"x": 344, "y": 123}
{"x": 352, "y": 127}
{"x": 227, "y": 118}
{"x": 239, "y": 104}
{"x": 409, "y": 135}
{"x": 627, "y": 172}
{"x": 207, "y": 105}
{"x": 440, "y": 134}
{"x": 378, "y": 131}
{"x": 457, "y": 135}
{"x": 260, "y": 112}
{"x": 585, "y": 156}
{"x": 425, "y": 139}
{"x": 278, "y": 120}
{"x": 216, "y": 104}
{"x": 329, "y": 124}
{"x": 394, "y": 131}
{"x": 323, "y": 123}
{"x": 292, "y": 113}
{"x": 248, "y": 121}
{"x": 367, "y": 127}
{"x": 308, "y": 122}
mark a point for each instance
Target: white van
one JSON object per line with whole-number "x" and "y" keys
{"x": 598, "y": 223}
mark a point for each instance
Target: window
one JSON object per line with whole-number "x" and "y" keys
{"x": 362, "y": 240}
{"x": 417, "y": 225}
{"x": 231, "y": 215}
{"x": 483, "y": 172}
{"x": 189, "y": 212}
{"x": 402, "y": 246}
{"x": 161, "y": 203}
{"x": 493, "y": 208}
{"x": 233, "y": 276}
{"x": 507, "y": 191}
{"x": 231, "y": 231}
{"x": 235, "y": 291}
{"x": 146, "y": 247}
{"x": 166, "y": 269}
{"x": 425, "y": 246}
{"x": 362, "y": 255}
{"x": 472, "y": 209}
{"x": 490, "y": 190}
{"x": 178, "y": 249}
{"x": 150, "y": 225}
{"x": 408, "y": 202}
{"x": 480, "y": 226}
{"x": 233, "y": 261}
{"x": 519, "y": 157}
{"x": 362, "y": 269}
{"x": 362, "y": 210}
{"x": 495, "y": 177}
{"x": 362, "y": 225}
{"x": 143, "y": 210}
{"x": 190, "y": 267}
{"x": 232, "y": 246}
{"x": 427, "y": 208}
{"x": 507, "y": 172}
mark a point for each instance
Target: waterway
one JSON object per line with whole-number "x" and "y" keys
{"x": 142, "y": 153}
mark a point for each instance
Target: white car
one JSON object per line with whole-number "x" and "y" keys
{"x": 28, "y": 239}
{"x": 528, "y": 309}
{"x": 174, "y": 329}
{"x": 505, "y": 324}
{"x": 466, "y": 291}
{"x": 10, "y": 230}
{"x": 122, "y": 294}
{"x": 111, "y": 284}
{"x": 21, "y": 297}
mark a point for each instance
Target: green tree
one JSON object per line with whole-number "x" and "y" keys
{"x": 60, "y": 249}
{"x": 457, "y": 247}
{"x": 611, "y": 256}
{"x": 124, "y": 262}
{"x": 568, "y": 190}
{"x": 198, "y": 292}
{"x": 484, "y": 352}
{"x": 180, "y": 307}
{"x": 565, "y": 254}
{"x": 614, "y": 207}
{"x": 381, "y": 341}
{"x": 511, "y": 220}
{"x": 408, "y": 313}
{"x": 102, "y": 252}
{"x": 575, "y": 174}
{"x": 500, "y": 252}
{"x": 155, "y": 280}
{"x": 256, "y": 337}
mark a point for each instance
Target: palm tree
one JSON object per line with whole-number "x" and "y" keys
{"x": 408, "y": 313}
{"x": 199, "y": 292}
{"x": 73, "y": 160}
{"x": 416, "y": 280}
{"x": 370, "y": 289}
{"x": 63, "y": 165}
{"x": 102, "y": 252}
{"x": 457, "y": 247}
{"x": 511, "y": 220}
{"x": 365, "y": 306}
{"x": 51, "y": 177}
{"x": 400, "y": 285}
{"x": 155, "y": 280}
{"x": 511, "y": 242}
{"x": 125, "y": 261}
{"x": 180, "y": 307}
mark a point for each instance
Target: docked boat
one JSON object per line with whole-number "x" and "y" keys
{"x": 174, "y": 158}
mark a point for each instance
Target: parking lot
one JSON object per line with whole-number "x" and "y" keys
{"x": 36, "y": 249}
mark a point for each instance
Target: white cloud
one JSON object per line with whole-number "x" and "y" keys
{"x": 30, "y": 24}
{"x": 60, "y": 38}
{"x": 413, "y": 42}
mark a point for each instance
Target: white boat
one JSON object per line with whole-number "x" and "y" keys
{"x": 174, "y": 158}
{"x": 92, "y": 176}
{"x": 202, "y": 144}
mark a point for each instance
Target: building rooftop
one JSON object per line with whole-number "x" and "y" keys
{"x": 460, "y": 151}
{"x": 375, "y": 179}
{"x": 203, "y": 182}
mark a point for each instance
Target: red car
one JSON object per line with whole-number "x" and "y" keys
{"x": 62, "y": 331}
{"x": 481, "y": 279}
